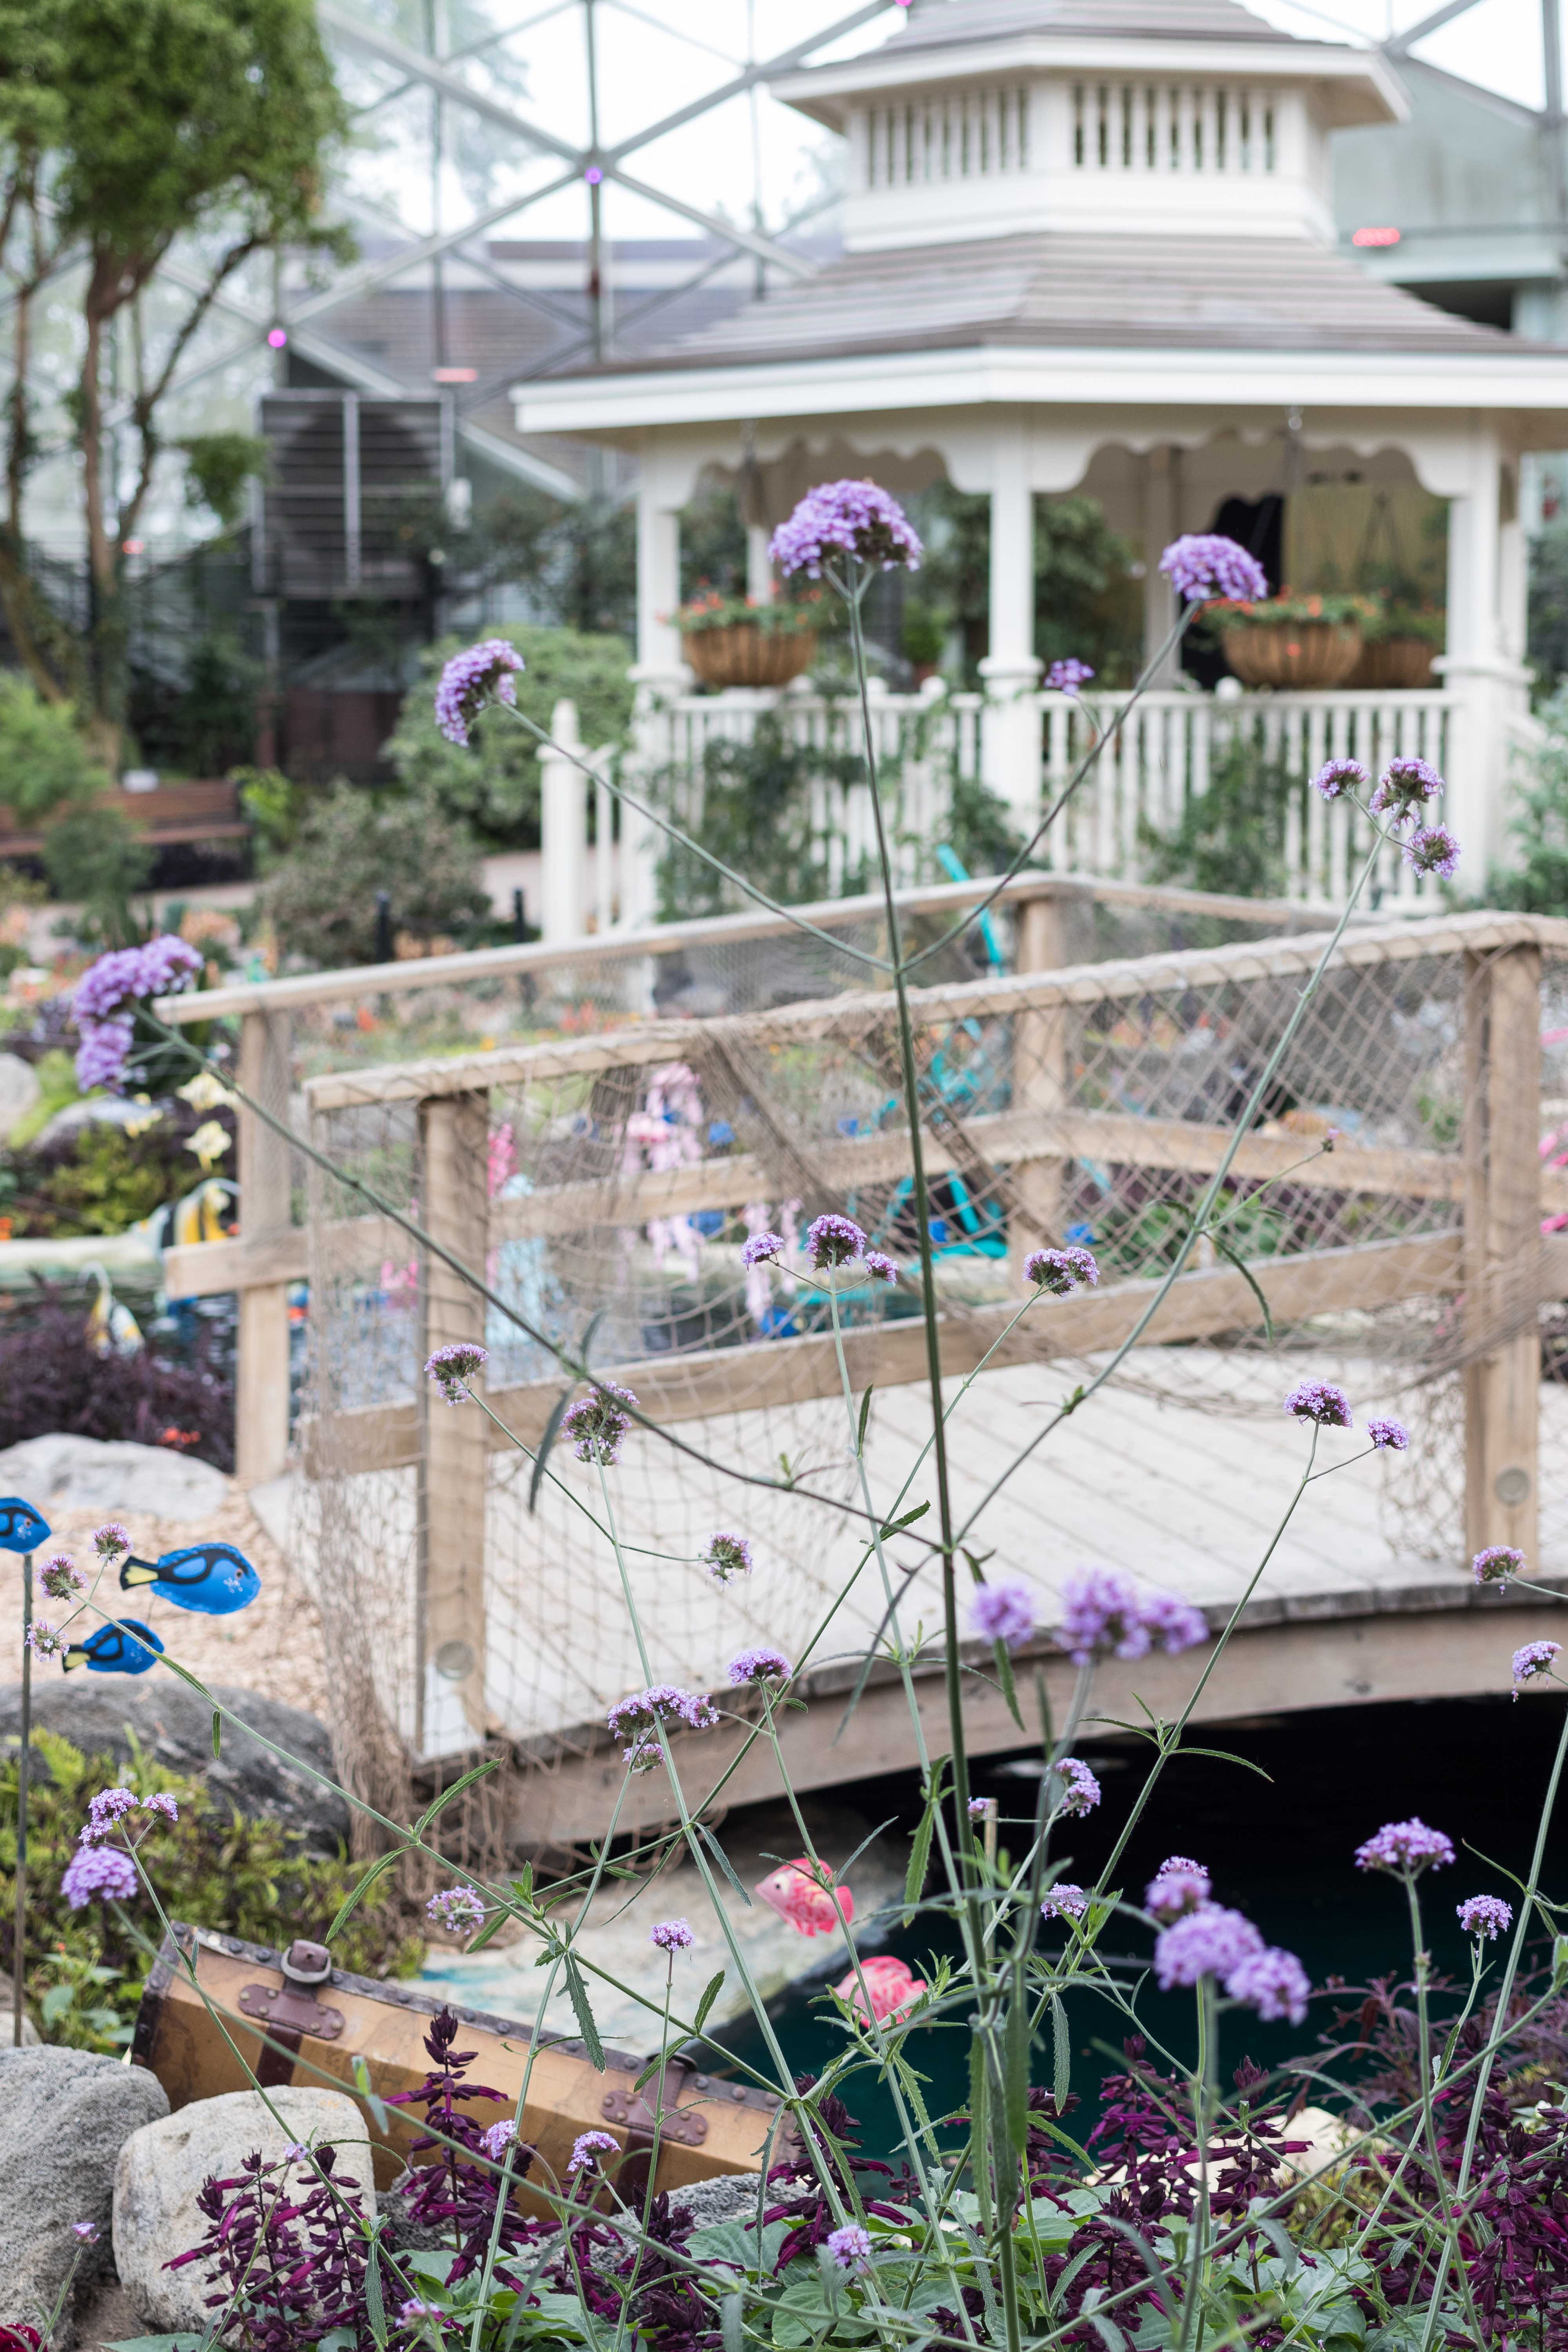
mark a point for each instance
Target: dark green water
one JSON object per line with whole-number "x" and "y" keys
{"x": 1280, "y": 1848}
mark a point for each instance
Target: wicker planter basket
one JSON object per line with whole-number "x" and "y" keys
{"x": 1294, "y": 653}
{"x": 744, "y": 654}
{"x": 1395, "y": 661}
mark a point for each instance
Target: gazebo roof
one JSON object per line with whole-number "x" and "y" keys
{"x": 936, "y": 23}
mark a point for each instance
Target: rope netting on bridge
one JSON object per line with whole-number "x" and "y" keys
{"x": 624, "y": 1168}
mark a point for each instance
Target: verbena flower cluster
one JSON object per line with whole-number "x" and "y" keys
{"x": 1212, "y": 1941}
{"x": 455, "y": 1910}
{"x": 1496, "y": 1563}
{"x": 672, "y": 1935}
{"x": 1061, "y": 1271}
{"x": 1177, "y": 1887}
{"x": 60, "y": 1578}
{"x": 1065, "y": 1901}
{"x": 453, "y": 1366}
{"x": 481, "y": 674}
{"x": 725, "y": 1555}
{"x": 1405, "y": 1847}
{"x": 1002, "y": 1613}
{"x": 762, "y": 1664}
{"x": 1204, "y": 564}
{"x": 1105, "y": 1615}
{"x": 111, "y": 1540}
{"x": 596, "y": 1424}
{"x": 1068, "y": 675}
{"x": 846, "y": 518}
{"x": 1534, "y": 1658}
{"x": 1321, "y": 1401}
{"x": 1388, "y": 1436}
{"x": 1080, "y": 1789}
{"x": 1487, "y": 1916}
{"x": 588, "y": 2147}
{"x": 106, "y": 1872}
{"x": 641, "y": 1717}
{"x": 104, "y": 1002}
{"x": 1339, "y": 776}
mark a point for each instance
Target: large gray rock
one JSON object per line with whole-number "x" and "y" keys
{"x": 65, "y": 2114}
{"x": 65, "y": 1472}
{"x": 19, "y": 1091}
{"x": 162, "y": 2170}
{"x": 176, "y": 1725}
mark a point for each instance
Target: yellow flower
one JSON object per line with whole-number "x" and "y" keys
{"x": 205, "y": 1092}
{"x": 209, "y": 1143}
{"x": 134, "y": 1126}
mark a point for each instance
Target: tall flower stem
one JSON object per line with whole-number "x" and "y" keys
{"x": 24, "y": 1765}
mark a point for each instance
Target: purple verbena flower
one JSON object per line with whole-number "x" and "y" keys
{"x": 762, "y": 1664}
{"x": 1496, "y": 1563}
{"x": 850, "y": 2247}
{"x": 1060, "y": 1271}
{"x": 478, "y": 675}
{"x": 1433, "y": 849}
{"x": 1336, "y": 777}
{"x": 1535, "y": 1658}
{"x": 1319, "y": 1401}
{"x": 879, "y": 1266}
{"x": 457, "y": 1910}
{"x": 642, "y": 1755}
{"x": 1405, "y": 787}
{"x": 1204, "y": 564}
{"x": 725, "y": 1555}
{"x": 104, "y": 1000}
{"x": 1388, "y": 1436}
{"x": 1002, "y": 1613}
{"x": 101, "y": 1056}
{"x": 498, "y": 2139}
{"x": 1102, "y": 1613}
{"x": 1068, "y": 675}
{"x": 106, "y": 1810}
{"x": 978, "y": 1808}
{"x": 1177, "y": 1861}
{"x": 1485, "y": 1915}
{"x": 453, "y": 1366}
{"x": 856, "y": 518}
{"x": 763, "y": 1249}
{"x": 1174, "y": 1625}
{"x": 110, "y": 1540}
{"x": 1175, "y": 1890}
{"x": 161, "y": 1801}
{"x": 99, "y": 1870}
{"x": 1272, "y": 1983}
{"x": 1406, "y": 1846}
{"x": 595, "y": 1425}
{"x": 61, "y": 1577}
{"x": 88, "y": 2231}
{"x": 672, "y": 1935}
{"x": 417, "y": 2308}
{"x": 1064, "y": 1901}
{"x": 46, "y": 1640}
{"x": 1080, "y": 1789}
{"x": 1208, "y": 1942}
{"x": 661, "y": 1703}
{"x": 588, "y": 2147}
{"x": 834, "y": 1241}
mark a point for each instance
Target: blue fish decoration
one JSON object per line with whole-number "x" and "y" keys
{"x": 212, "y": 1578}
{"x": 123, "y": 1649}
{"x": 21, "y": 1528}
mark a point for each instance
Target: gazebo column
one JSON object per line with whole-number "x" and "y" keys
{"x": 759, "y": 564}
{"x": 1010, "y": 730}
{"x": 1160, "y": 525}
{"x": 659, "y": 669}
{"x": 1482, "y": 666}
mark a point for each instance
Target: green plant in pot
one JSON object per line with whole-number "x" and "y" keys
{"x": 1399, "y": 641}
{"x": 735, "y": 641}
{"x": 1291, "y": 641}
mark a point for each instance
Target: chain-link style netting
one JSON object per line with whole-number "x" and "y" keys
{"x": 604, "y": 1183}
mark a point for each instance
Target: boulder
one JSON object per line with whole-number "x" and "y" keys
{"x": 31, "y": 2037}
{"x": 162, "y": 2169}
{"x": 66, "y": 1473}
{"x": 65, "y": 2115}
{"x": 175, "y": 1724}
{"x": 19, "y": 1091}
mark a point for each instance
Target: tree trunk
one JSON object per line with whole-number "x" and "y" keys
{"x": 106, "y": 653}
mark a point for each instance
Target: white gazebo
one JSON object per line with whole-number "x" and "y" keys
{"x": 1088, "y": 245}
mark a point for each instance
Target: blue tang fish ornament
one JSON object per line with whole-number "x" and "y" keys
{"x": 212, "y": 1578}
{"x": 21, "y": 1528}
{"x": 123, "y": 1649}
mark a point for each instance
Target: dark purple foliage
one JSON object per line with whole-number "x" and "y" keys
{"x": 456, "y": 2192}
{"x": 291, "y": 2257}
{"x": 51, "y": 1377}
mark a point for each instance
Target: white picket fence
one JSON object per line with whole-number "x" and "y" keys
{"x": 601, "y": 860}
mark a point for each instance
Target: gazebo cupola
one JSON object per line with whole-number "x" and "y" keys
{"x": 980, "y": 120}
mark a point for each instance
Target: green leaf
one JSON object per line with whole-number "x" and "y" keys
{"x": 1005, "y": 1676}
{"x": 362, "y": 2085}
{"x": 558, "y": 1412}
{"x": 523, "y": 1885}
{"x": 492, "y": 1926}
{"x": 907, "y": 1520}
{"x": 217, "y": 1731}
{"x": 1250, "y": 1280}
{"x": 1224, "y": 1756}
{"x": 154, "y": 2344}
{"x": 705, "y": 1834}
{"x": 865, "y": 1417}
{"x": 732, "y": 2319}
{"x": 375, "y": 2303}
{"x": 920, "y": 1850}
{"x": 432, "y": 1811}
{"x": 578, "y": 1992}
{"x": 1061, "y": 2055}
{"x": 1016, "y": 2069}
{"x": 710, "y": 1992}
{"x": 355, "y": 1896}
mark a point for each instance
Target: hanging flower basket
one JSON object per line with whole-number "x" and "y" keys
{"x": 1292, "y": 640}
{"x": 744, "y": 654}
{"x": 1394, "y": 662}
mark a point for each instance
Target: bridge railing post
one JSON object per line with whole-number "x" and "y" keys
{"x": 1502, "y": 1241}
{"x": 454, "y": 1138}
{"x": 1039, "y": 1073}
{"x": 262, "y": 1367}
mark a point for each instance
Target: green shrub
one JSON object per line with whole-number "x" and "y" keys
{"x": 351, "y": 843}
{"x": 237, "y": 1877}
{"x": 46, "y": 762}
{"x": 1230, "y": 837}
{"x": 1536, "y": 884}
{"x": 494, "y": 784}
{"x": 96, "y": 856}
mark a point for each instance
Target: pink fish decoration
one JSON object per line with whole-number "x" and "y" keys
{"x": 803, "y": 1892}
{"x": 890, "y": 1987}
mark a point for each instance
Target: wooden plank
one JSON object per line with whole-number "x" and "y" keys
{"x": 261, "y": 1369}
{"x": 1503, "y": 1130}
{"x": 453, "y": 1135}
{"x": 673, "y": 1389}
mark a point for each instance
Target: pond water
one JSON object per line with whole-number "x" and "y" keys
{"x": 1277, "y": 1831}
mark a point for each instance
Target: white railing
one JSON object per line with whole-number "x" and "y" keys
{"x": 601, "y": 861}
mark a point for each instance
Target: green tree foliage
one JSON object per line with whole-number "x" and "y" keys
{"x": 493, "y": 785}
{"x": 1548, "y": 631}
{"x": 96, "y": 857}
{"x": 46, "y": 764}
{"x": 351, "y": 843}
{"x": 125, "y": 126}
{"x": 1536, "y": 884}
{"x": 756, "y": 816}
{"x": 1230, "y": 837}
{"x": 1086, "y": 601}
{"x": 219, "y": 469}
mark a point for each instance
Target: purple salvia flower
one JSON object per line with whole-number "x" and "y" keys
{"x": 725, "y": 1555}
{"x": 1080, "y": 1789}
{"x": 1065, "y": 1901}
{"x": 1060, "y": 1271}
{"x": 1272, "y": 1983}
{"x": 1002, "y": 1613}
{"x": 61, "y": 1577}
{"x": 1406, "y": 1846}
{"x": 763, "y": 1249}
{"x": 1496, "y": 1563}
{"x": 1204, "y": 564}
{"x": 1068, "y": 675}
{"x": 46, "y": 1640}
{"x": 879, "y": 1266}
{"x": 1319, "y": 1401}
{"x": 1535, "y": 1658}
{"x": 672, "y": 1935}
{"x": 1208, "y": 1942}
{"x": 1485, "y": 1915}
{"x": 850, "y": 2247}
{"x": 1173, "y": 1624}
{"x": 762, "y": 1664}
{"x": 481, "y": 674}
{"x": 588, "y": 2147}
{"x": 453, "y": 1366}
{"x": 1388, "y": 1436}
{"x": 99, "y": 1870}
{"x": 1433, "y": 849}
{"x": 111, "y": 1540}
{"x": 595, "y": 1425}
{"x": 1405, "y": 787}
{"x": 1102, "y": 1613}
{"x": 1337, "y": 777}
{"x": 855, "y": 519}
{"x": 457, "y": 1910}
{"x": 1176, "y": 1890}
{"x": 834, "y": 1241}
